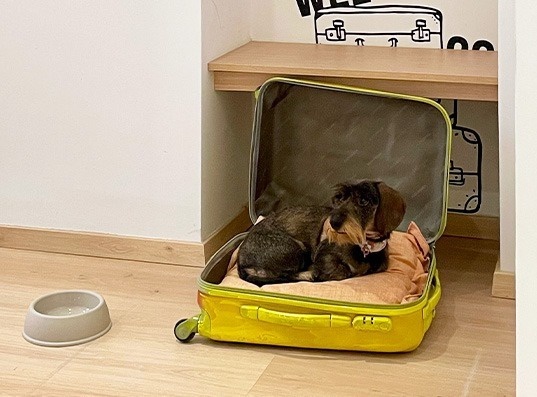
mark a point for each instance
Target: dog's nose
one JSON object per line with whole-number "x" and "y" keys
{"x": 337, "y": 220}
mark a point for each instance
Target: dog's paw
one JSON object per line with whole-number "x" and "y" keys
{"x": 305, "y": 276}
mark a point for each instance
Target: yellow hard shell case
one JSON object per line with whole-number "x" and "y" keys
{"x": 307, "y": 137}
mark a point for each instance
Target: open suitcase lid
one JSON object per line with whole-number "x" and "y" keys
{"x": 307, "y": 137}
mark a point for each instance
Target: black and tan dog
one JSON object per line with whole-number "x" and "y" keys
{"x": 324, "y": 243}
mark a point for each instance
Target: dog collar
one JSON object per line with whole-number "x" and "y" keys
{"x": 373, "y": 246}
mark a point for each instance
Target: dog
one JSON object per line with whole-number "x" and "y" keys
{"x": 321, "y": 243}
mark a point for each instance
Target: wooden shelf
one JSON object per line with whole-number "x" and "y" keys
{"x": 435, "y": 73}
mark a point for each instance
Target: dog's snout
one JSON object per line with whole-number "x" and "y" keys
{"x": 337, "y": 220}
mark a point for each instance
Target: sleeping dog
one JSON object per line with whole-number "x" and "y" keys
{"x": 324, "y": 243}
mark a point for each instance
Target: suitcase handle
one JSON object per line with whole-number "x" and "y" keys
{"x": 295, "y": 319}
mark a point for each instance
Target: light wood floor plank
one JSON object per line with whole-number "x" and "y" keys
{"x": 469, "y": 350}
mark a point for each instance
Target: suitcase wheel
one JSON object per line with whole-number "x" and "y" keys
{"x": 185, "y": 329}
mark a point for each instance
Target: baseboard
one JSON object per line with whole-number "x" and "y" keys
{"x": 458, "y": 225}
{"x": 237, "y": 225}
{"x": 103, "y": 245}
{"x": 473, "y": 226}
{"x": 187, "y": 253}
{"x": 503, "y": 283}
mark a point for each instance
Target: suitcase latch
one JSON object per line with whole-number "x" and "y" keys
{"x": 372, "y": 323}
{"x": 421, "y": 34}
{"x": 456, "y": 175}
{"x": 337, "y": 33}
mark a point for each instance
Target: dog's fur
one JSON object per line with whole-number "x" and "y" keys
{"x": 323, "y": 243}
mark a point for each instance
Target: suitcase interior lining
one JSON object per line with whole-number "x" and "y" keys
{"x": 308, "y": 138}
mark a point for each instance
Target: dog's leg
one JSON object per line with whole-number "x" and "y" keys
{"x": 305, "y": 276}
{"x": 269, "y": 256}
{"x": 331, "y": 263}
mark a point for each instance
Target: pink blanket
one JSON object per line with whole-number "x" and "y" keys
{"x": 403, "y": 282}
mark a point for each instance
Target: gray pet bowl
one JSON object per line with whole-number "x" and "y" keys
{"x": 66, "y": 318}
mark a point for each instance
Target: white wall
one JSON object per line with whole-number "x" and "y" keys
{"x": 526, "y": 193}
{"x": 100, "y": 116}
{"x": 226, "y": 119}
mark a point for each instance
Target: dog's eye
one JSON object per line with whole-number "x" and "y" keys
{"x": 363, "y": 202}
{"x": 339, "y": 197}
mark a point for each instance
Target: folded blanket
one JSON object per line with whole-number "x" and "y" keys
{"x": 403, "y": 281}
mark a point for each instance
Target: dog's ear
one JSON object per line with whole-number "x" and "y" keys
{"x": 342, "y": 191}
{"x": 390, "y": 211}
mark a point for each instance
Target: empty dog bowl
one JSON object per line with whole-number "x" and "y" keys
{"x": 66, "y": 318}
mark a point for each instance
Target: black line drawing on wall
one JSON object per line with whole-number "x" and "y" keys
{"x": 305, "y": 8}
{"x": 465, "y": 176}
{"x": 463, "y": 44}
{"x": 357, "y": 23}
{"x": 380, "y": 26}
{"x": 465, "y": 173}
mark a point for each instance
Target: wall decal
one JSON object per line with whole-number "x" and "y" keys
{"x": 380, "y": 26}
{"x": 305, "y": 9}
{"x": 463, "y": 43}
{"x": 355, "y": 23}
{"x": 457, "y": 40}
{"x": 465, "y": 171}
{"x": 483, "y": 44}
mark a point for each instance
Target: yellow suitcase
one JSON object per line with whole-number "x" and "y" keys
{"x": 307, "y": 137}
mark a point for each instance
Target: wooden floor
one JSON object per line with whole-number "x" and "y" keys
{"x": 469, "y": 350}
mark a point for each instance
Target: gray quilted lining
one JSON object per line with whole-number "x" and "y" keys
{"x": 308, "y": 138}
